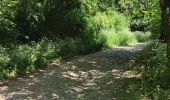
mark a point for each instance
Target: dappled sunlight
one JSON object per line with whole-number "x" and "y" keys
{"x": 70, "y": 75}
{"x": 130, "y": 74}
{"x": 125, "y": 74}
{"x": 94, "y": 76}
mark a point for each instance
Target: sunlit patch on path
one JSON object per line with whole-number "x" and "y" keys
{"x": 98, "y": 76}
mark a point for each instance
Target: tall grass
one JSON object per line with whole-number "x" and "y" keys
{"x": 123, "y": 38}
{"x": 142, "y": 36}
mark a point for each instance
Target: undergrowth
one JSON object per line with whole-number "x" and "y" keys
{"x": 25, "y": 58}
{"x": 154, "y": 81}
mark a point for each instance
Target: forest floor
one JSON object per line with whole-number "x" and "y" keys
{"x": 98, "y": 76}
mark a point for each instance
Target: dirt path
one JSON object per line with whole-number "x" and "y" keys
{"x": 98, "y": 76}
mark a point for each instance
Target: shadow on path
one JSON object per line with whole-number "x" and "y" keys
{"x": 98, "y": 76}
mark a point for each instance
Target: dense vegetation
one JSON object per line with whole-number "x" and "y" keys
{"x": 32, "y": 32}
{"x": 36, "y": 31}
{"x": 153, "y": 64}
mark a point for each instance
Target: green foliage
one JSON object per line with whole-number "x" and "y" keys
{"x": 156, "y": 64}
{"x": 141, "y": 12}
{"x": 27, "y": 58}
{"x": 4, "y": 60}
{"x": 47, "y": 50}
{"x": 23, "y": 58}
{"x": 142, "y": 36}
{"x": 161, "y": 94}
{"x": 153, "y": 65}
{"x": 72, "y": 27}
{"x": 8, "y": 30}
{"x": 30, "y": 18}
{"x": 121, "y": 22}
{"x": 110, "y": 39}
{"x": 134, "y": 88}
{"x": 68, "y": 47}
{"x": 154, "y": 72}
{"x": 125, "y": 39}
{"x": 102, "y": 29}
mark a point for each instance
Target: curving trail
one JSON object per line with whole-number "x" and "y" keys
{"x": 97, "y": 76}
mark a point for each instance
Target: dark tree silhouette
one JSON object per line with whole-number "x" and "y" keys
{"x": 165, "y": 25}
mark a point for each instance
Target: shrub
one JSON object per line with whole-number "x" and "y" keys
{"x": 68, "y": 47}
{"x": 154, "y": 69}
{"x": 102, "y": 28}
{"x": 105, "y": 21}
{"x": 156, "y": 62}
{"x": 30, "y": 57}
{"x": 126, "y": 37}
{"x": 109, "y": 38}
{"x": 46, "y": 50}
{"x": 154, "y": 80}
{"x": 8, "y": 31}
{"x": 142, "y": 36}
{"x": 121, "y": 22}
{"x": 23, "y": 58}
{"x": 4, "y": 60}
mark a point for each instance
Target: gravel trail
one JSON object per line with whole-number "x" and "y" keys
{"x": 97, "y": 76}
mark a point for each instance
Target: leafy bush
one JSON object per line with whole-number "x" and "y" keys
{"x": 68, "y": 47}
{"x": 142, "y": 36}
{"x": 156, "y": 64}
{"x": 30, "y": 19}
{"x": 8, "y": 31}
{"x": 121, "y": 22}
{"x": 161, "y": 94}
{"x": 141, "y": 13}
{"x": 4, "y": 60}
{"x": 110, "y": 39}
{"x": 154, "y": 71}
{"x": 23, "y": 58}
{"x": 101, "y": 29}
{"x": 105, "y": 20}
{"x": 26, "y": 58}
{"x": 47, "y": 50}
{"x": 126, "y": 37}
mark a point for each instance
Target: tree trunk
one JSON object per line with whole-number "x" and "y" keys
{"x": 165, "y": 25}
{"x": 164, "y": 22}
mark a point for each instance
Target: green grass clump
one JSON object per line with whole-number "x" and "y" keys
{"x": 123, "y": 38}
{"x": 126, "y": 37}
{"x": 142, "y": 36}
